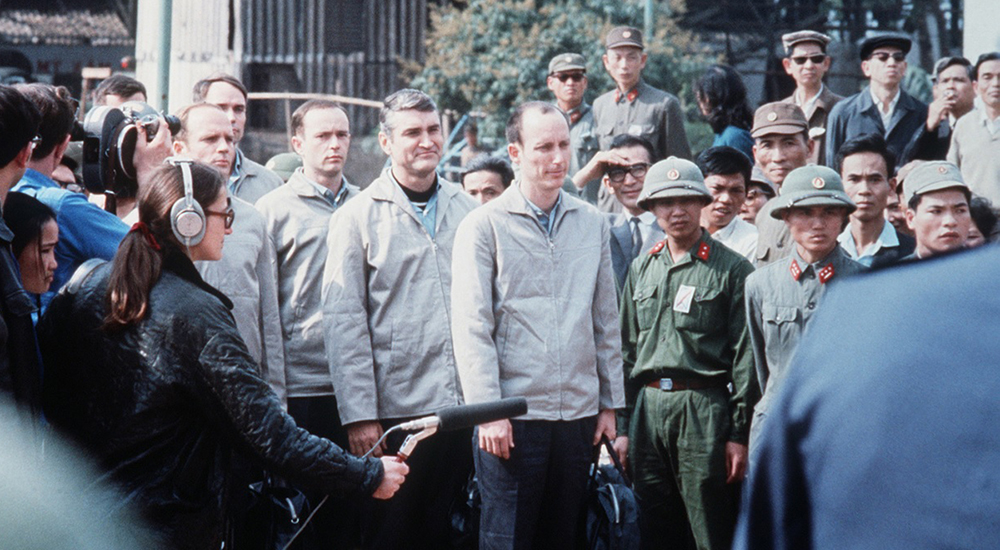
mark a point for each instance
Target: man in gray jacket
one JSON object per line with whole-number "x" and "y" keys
{"x": 248, "y": 180}
{"x": 534, "y": 316}
{"x": 298, "y": 219}
{"x": 386, "y": 319}
{"x": 247, "y": 272}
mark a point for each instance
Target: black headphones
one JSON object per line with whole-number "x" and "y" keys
{"x": 187, "y": 219}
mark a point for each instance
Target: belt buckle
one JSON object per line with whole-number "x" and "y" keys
{"x": 666, "y": 384}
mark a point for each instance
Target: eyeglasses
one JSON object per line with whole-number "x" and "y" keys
{"x": 575, "y": 77}
{"x": 898, "y": 57}
{"x": 617, "y": 173}
{"x": 816, "y": 59}
{"x": 229, "y": 214}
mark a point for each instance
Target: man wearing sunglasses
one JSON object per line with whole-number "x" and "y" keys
{"x": 247, "y": 272}
{"x": 807, "y": 64}
{"x": 568, "y": 82}
{"x": 634, "y": 107}
{"x": 882, "y": 107}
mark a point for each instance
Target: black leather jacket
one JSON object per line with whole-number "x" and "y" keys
{"x": 167, "y": 405}
{"x": 20, "y": 371}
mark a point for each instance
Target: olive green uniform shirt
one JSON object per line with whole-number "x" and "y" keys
{"x": 711, "y": 340}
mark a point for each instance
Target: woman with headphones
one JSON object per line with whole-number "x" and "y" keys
{"x": 146, "y": 370}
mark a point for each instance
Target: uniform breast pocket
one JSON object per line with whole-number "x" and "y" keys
{"x": 781, "y": 324}
{"x": 646, "y": 307}
{"x": 706, "y": 313}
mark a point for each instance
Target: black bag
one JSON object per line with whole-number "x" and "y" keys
{"x": 612, "y": 512}
{"x": 275, "y": 514}
{"x": 465, "y": 511}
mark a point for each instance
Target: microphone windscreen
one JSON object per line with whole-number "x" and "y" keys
{"x": 467, "y": 416}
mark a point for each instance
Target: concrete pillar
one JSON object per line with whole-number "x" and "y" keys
{"x": 982, "y": 34}
{"x": 199, "y": 38}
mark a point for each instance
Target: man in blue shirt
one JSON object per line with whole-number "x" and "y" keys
{"x": 85, "y": 231}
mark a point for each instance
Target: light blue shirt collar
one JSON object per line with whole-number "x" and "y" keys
{"x": 886, "y": 239}
{"x": 544, "y": 218}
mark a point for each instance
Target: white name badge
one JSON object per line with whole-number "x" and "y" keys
{"x": 635, "y": 130}
{"x": 682, "y": 302}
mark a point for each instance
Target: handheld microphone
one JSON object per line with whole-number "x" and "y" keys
{"x": 467, "y": 416}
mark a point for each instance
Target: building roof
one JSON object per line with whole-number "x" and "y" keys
{"x": 69, "y": 27}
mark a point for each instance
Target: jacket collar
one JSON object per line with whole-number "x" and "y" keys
{"x": 385, "y": 188}
{"x": 513, "y": 201}
{"x": 905, "y": 104}
{"x": 179, "y": 264}
{"x": 304, "y": 188}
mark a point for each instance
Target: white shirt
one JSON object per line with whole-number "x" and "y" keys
{"x": 740, "y": 236}
{"x": 886, "y": 116}
{"x": 992, "y": 126}
{"x": 886, "y": 239}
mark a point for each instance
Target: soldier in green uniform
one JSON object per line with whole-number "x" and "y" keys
{"x": 684, "y": 344}
{"x": 782, "y": 296}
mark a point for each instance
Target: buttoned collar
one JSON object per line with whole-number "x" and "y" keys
{"x": 823, "y": 270}
{"x": 631, "y": 95}
{"x": 700, "y": 250}
{"x": 809, "y": 106}
{"x": 578, "y": 112}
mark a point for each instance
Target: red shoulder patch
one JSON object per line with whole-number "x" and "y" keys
{"x": 795, "y": 270}
{"x": 704, "y": 251}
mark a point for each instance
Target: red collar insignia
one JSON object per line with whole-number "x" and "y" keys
{"x": 657, "y": 247}
{"x": 630, "y": 96}
{"x": 703, "y": 251}
{"x": 795, "y": 270}
{"x": 575, "y": 116}
{"x": 826, "y": 273}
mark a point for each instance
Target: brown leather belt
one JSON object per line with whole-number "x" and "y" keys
{"x": 680, "y": 384}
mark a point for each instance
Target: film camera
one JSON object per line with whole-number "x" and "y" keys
{"x": 109, "y": 141}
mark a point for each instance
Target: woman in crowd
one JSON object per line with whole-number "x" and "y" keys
{"x": 145, "y": 369}
{"x": 722, "y": 98}
{"x": 35, "y": 237}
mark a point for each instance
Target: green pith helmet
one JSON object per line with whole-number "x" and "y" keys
{"x": 284, "y": 164}
{"x": 811, "y": 185}
{"x": 673, "y": 177}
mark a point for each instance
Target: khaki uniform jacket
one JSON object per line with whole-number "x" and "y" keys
{"x": 298, "y": 220}
{"x": 386, "y": 304}
{"x": 255, "y": 181}
{"x": 708, "y": 341}
{"x": 247, "y": 274}
{"x": 824, "y": 103}
{"x": 534, "y": 313}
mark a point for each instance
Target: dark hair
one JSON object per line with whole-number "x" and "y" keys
{"x": 119, "y": 85}
{"x": 57, "y": 108}
{"x": 486, "y": 163}
{"x": 983, "y": 214}
{"x": 725, "y": 161}
{"x": 300, "y": 114}
{"x": 515, "y": 122}
{"x": 19, "y": 119}
{"x": 25, "y": 216}
{"x": 622, "y": 141}
{"x": 137, "y": 264}
{"x": 201, "y": 87}
{"x": 867, "y": 143}
{"x": 990, "y": 56}
{"x": 406, "y": 99}
{"x": 722, "y": 87}
{"x": 947, "y": 62}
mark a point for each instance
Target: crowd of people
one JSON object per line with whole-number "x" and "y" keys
{"x": 225, "y": 324}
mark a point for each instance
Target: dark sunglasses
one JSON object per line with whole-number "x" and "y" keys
{"x": 884, "y": 56}
{"x": 575, "y": 77}
{"x": 229, "y": 214}
{"x": 617, "y": 173}
{"x": 816, "y": 59}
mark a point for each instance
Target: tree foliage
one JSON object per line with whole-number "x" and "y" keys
{"x": 490, "y": 55}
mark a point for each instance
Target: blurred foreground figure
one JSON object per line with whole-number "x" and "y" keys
{"x": 882, "y": 447}
{"x": 54, "y": 504}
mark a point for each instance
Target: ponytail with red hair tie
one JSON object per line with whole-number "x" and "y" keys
{"x": 147, "y": 234}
